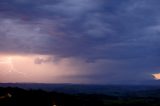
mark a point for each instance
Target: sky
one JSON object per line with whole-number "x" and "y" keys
{"x": 80, "y": 41}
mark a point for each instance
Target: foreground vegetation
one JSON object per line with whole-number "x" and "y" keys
{"x": 20, "y": 97}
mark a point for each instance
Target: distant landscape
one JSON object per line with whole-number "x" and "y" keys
{"x": 79, "y": 52}
{"x": 26, "y": 94}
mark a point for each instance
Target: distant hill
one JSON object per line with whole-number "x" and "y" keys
{"x": 25, "y": 94}
{"x": 112, "y": 90}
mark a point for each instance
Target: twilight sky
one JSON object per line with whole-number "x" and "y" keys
{"x": 80, "y": 41}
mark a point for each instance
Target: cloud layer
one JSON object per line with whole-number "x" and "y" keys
{"x": 122, "y": 34}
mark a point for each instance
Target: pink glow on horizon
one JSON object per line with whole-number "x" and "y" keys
{"x": 22, "y": 68}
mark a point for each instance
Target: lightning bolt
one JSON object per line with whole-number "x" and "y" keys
{"x": 9, "y": 62}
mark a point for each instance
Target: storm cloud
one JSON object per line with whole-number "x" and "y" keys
{"x": 125, "y": 33}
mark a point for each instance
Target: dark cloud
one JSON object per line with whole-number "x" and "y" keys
{"x": 123, "y": 30}
{"x": 49, "y": 59}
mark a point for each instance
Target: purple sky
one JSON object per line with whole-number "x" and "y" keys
{"x": 80, "y": 41}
